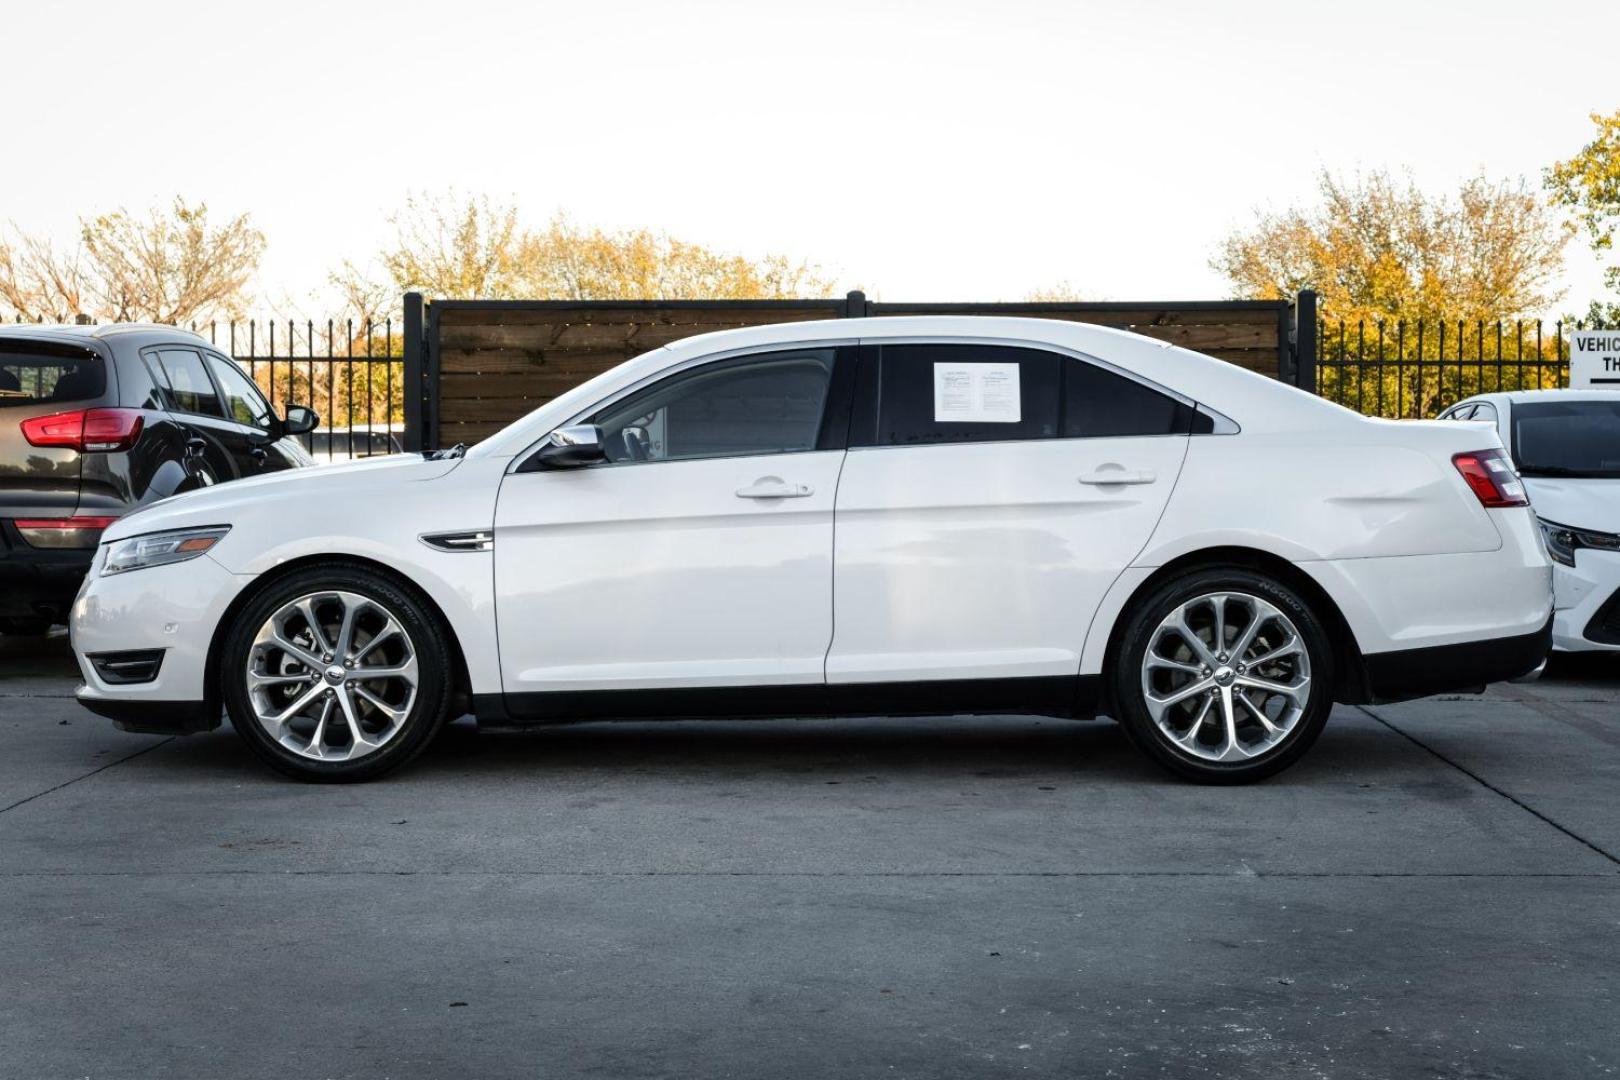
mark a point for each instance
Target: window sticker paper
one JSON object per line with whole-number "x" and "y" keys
{"x": 977, "y": 394}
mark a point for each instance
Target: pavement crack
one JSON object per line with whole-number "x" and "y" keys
{"x": 1482, "y": 782}
{"x": 88, "y": 775}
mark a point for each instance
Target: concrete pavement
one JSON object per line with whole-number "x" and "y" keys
{"x": 1434, "y": 891}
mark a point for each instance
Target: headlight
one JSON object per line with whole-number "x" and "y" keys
{"x": 160, "y": 549}
{"x": 1563, "y": 541}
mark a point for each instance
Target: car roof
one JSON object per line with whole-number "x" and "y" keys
{"x": 133, "y": 333}
{"x": 1265, "y": 403}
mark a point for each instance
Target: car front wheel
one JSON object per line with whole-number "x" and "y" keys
{"x": 336, "y": 674}
{"x": 1224, "y": 676}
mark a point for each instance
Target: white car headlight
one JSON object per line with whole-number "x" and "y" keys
{"x": 1563, "y": 541}
{"x": 160, "y": 549}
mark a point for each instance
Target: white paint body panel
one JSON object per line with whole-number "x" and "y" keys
{"x": 980, "y": 560}
{"x": 657, "y": 574}
{"x": 947, "y": 561}
{"x": 136, "y": 611}
{"x": 374, "y": 509}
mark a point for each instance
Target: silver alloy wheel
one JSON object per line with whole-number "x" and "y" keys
{"x": 1226, "y": 676}
{"x": 332, "y": 675}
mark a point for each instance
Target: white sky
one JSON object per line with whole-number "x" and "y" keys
{"x": 925, "y": 151}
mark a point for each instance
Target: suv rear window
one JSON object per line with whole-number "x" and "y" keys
{"x": 44, "y": 372}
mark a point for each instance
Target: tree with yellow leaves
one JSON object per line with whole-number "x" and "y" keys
{"x": 1375, "y": 247}
{"x": 451, "y": 246}
{"x": 1404, "y": 275}
{"x": 169, "y": 265}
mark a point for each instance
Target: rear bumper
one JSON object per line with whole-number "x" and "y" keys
{"x": 39, "y": 581}
{"x": 1410, "y": 603}
{"x": 1464, "y": 667}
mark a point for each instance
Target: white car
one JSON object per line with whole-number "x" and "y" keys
{"x": 934, "y": 515}
{"x": 1566, "y": 446}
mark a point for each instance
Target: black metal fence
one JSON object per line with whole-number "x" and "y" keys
{"x": 1414, "y": 370}
{"x": 352, "y": 373}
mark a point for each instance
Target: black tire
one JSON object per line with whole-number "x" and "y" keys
{"x": 25, "y": 626}
{"x": 428, "y": 637}
{"x": 1143, "y": 624}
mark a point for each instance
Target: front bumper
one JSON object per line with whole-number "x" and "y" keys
{"x": 156, "y": 717}
{"x": 175, "y": 608}
{"x": 1582, "y": 598}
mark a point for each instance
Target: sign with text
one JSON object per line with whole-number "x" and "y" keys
{"x": 1594, "y": 360}
{"x": 977, "y": 394}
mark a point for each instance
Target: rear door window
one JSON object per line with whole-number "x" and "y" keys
{"x": 190, "y": 389}
{"x": 45, "y": 373}
{"x": 966, "y": 393}
{"x": 948, "y": 393}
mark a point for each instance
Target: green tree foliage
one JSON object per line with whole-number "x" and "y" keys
{"x": 1588, "y": 184}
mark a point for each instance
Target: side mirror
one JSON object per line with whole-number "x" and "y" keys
{"x": 301, "y": 420}
{"x": 571, "y": 447}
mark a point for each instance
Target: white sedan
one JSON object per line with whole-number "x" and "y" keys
{"x": 935, "y": 515}
{"x": 1566, "y": 446}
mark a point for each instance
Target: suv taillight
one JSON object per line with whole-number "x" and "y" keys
{"x": 69, "y": 532}
{"x": 87, "y": 430}
{"x": 1490, "y": 476}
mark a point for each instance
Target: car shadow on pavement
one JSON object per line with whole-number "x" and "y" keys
{"x": 841, "y": 750}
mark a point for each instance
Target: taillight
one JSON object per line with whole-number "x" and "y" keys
{"x": 58, "y": 533}
{"x": 87, "y": 430}
{"x": 1490, "y": 476}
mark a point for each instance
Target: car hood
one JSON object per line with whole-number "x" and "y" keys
{"x": 1580, "y": 504}
{"x": 221, "y": 504}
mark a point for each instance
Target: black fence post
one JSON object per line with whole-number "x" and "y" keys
{"x": 1305, "y": 340}
{"x": 856, "y": 306}
{"x": 416, "y": 388}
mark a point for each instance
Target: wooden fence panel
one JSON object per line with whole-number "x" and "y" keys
{"x": 490, "y": 362}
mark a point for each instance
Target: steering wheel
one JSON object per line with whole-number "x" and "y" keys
{"x": 635, "y": 444}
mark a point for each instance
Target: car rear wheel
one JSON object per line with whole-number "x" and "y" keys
{"x": 336, "y": 674}
{"x": 1224, "y": 676}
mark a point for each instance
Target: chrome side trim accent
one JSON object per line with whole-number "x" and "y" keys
{"x": 471, "y": 540}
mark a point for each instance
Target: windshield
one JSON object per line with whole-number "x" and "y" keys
{"x": 1568, "y": 438}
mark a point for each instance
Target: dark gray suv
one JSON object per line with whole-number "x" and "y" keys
{"x": 97, "y": 420}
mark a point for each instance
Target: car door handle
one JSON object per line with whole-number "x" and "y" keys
{"x": 1116, "y": 475}
{"x": 772, "y": 487}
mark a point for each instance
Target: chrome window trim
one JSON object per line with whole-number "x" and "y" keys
{"x": 1224, "y": 425}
